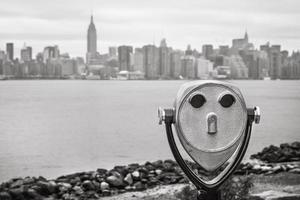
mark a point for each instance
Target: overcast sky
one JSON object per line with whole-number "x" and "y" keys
{"x": 138, "y": 22}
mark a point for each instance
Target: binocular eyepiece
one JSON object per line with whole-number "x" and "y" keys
{"x": 213, "y": 126}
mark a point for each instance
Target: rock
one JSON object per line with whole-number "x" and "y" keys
{"x": 45, "y": 188}
{"x": 78, "y": 190}
{"x": 168, "y": 167}
{"x": 284, "y": 145}
{"x": 64, "y": 187}
{"x": 149, "y": 166}
{"x": 153, "y": 181}
{"x": 106, "y": 192}
{"x": 276, "y": 169}
{"x": 169, "y": 178}
{"x": 256, "y": 167}
{"x": 66, "y": 196}
{"x": 289, "y": 166}
{"x": 295, "y": 171}
{"x": 17, "y": 183}
{"x": 139, "y": 186}
{"x": 104, "y": 186}
{"x": 128, "y": 188}
{"x": 158, "y": 171}
{"x": 158, "y": 164}
{"x": 284, "y": 168}
{"x": 5, "y": 196}
{"x": 295, "y": 145}
{"x": 276, "y": 195}
{"x": 85, "y": 177}
{"x": 96, "y": 184}
{"x": 115, "y": 180}
{"x": 285, "y": 153}
{"x": 265, "y": 168}
{"x": 88, "y": 185}
{"x": 121, "y": 169}
{"x": 132, "y": 167}
{"x": 144, "y": 180}
{"x": 101, "y": 171}
{"x": 136, "y": 175}
{"x": 28, "y": 180}
{"x": 128, "y": 179}
{"x": 17, "y": 193}
{"x": 32, "y": 194}
{"x": 75, "y": 181}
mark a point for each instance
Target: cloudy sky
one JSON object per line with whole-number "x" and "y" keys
{"x": 137, "y": 22}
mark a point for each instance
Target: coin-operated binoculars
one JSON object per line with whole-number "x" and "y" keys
{"x": 213, "y": 126}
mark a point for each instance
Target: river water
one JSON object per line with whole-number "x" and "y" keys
{"x": 57, "y": 127}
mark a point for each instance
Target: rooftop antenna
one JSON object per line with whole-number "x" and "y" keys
{"x": 92, "y": 6}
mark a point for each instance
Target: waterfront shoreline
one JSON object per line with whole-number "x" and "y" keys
{"x": 139, "y": 177}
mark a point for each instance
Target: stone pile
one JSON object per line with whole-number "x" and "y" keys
{"x": 92, "y": 185}
{"x": 284, "y": 153}
{"x": 135, "y": 177}
{"x": 267, "y": 168}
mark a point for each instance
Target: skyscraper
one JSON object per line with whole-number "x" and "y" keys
{"x": 207, "y": 50}
{"x": 124, "y": 53}
{"x": 188, "y": 68}
{"x": 26, "y": 53}
{"x": 242, "y": 43}
{"x": 151, "y": 61}
{"x": 10, "y": 51}
{"x": 164, "y": 60}
{"x": 91, "y": 54}
{"x": 50, "y": 52}
{"x": 92, "y": 37}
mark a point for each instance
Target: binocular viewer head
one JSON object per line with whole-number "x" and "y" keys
{"x": 213, "y": 126}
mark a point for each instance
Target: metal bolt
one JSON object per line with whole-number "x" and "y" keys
{"x": 256, "y": 115}
{"x": 161, "y": 115}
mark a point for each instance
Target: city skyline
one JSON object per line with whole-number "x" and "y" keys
{"x": 134, "y": 24}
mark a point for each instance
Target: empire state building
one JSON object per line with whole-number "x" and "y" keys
{"x": 91, "y": 42}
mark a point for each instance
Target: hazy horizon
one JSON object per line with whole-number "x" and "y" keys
{"x": 65, "y": 22}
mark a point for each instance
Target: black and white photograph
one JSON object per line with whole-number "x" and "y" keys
{"x": 144, "y": 100}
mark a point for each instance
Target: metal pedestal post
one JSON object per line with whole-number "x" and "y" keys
{"x": 209, "y": 195}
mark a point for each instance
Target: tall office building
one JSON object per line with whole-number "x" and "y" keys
{"x": 237, "y": 66}
{"x": 112, "y": 51}
{"x": 2, "y": 55}
{"x": 242, "y": 44}
{"x": 207, "y": 50}
{"x": 92, "y": 37}
{"x": 204, "y": 68}
{"x": 92, "y": 56}
{"x": 10, "y": 51}
{"x": 255, "y": 62}
{"x": 224, "y": 50}
{"x": 275, "y": 62}
{"x": 50, "y": 52}
{"x": 275, "y": 59}
{"x": 188, "y": 67}
{"x": 164, "y": 59}
{"x": 124, "y": 55}
{"x": 26, "y": 54}
{"x": 151, "y": 61}
{"x": 138, "y": 60}
{"x": 175, "y": 59}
